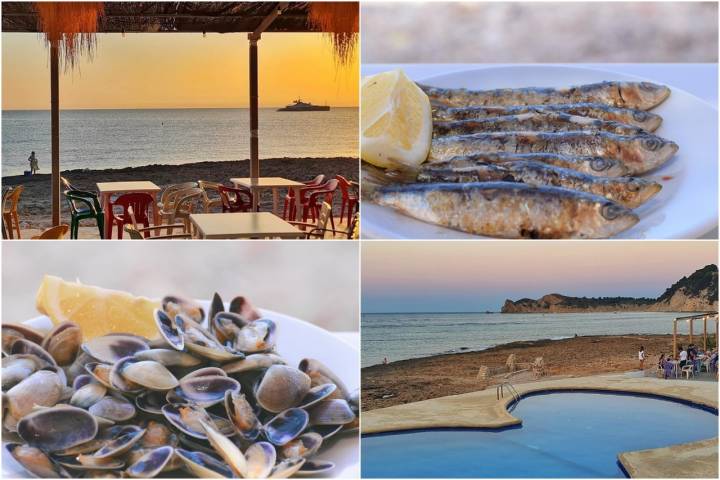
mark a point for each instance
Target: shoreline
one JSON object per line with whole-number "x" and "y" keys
{"x": 412, "y": 380}
{"x": 34, "y": 208}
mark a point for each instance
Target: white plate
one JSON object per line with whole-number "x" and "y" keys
{"x": 297, "y": 339}
{"x": 686, "y": 207}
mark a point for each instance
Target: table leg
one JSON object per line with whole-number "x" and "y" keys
{"x": 275, "y": 200}
{"x": 156, "y": 212}
{"x": 107, "y": 208}
{"x": 298, "y": 205}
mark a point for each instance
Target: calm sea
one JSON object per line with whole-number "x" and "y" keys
{"x": 98, "y": 139}
{"x": 411, "y": 335}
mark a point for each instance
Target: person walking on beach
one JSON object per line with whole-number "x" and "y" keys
{"x": 641, "y": 357}
{"x": 33, "y": 163}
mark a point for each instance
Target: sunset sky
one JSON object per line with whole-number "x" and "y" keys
{"x": 176, "y": 70}
{"x": 479, "y": 276}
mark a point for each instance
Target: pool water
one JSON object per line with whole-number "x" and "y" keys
{"x": 566, "y": 434}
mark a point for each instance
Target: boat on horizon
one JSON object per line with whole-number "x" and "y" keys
{"x": 300, "y": 106}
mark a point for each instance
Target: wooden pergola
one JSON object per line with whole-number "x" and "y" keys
{"x": 705, "y": 317}
{"x": 253, "y": 18}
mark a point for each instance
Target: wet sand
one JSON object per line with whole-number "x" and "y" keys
{"x": 418, "y": 379}
{"x": 35, "y": 209}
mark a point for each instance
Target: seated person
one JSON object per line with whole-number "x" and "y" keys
{"x": 683, "y": 357}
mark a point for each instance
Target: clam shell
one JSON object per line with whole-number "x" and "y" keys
{"x": 15, "y": 331}
{"x": 169, "y": 330}
{"x": 286, "y": 426}
{"x": 57, "y": 428}
{"x": 206, "y": 390}
{"x": 63, "y": 342}
{"x": 169, "y": 358}
{"x": 150, "y": 464}
{"x": 260, "y": 459}
{"x": 88, "y": 395}
{"x": 226, "y": 449}
{"x": 242, "y": 416}
{"x": 117, "y": 409}
{"x": 120, "y": 445}
{"x": 282, "y": 387}
{"x": 148, "y": 373}
{"x": 331, "y": 412}
{"x": 34, "y": 461}
{"x": 43, "y": 388}
{"x": 305, "y": 446}
{"x": 287, "y": 468}
{"x": 314, "y": 467}
{"x": 111, "y": 348}
{"x": 255, "y": 361}
{"x": 203, "y": 465}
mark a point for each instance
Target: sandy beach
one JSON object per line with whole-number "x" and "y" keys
{"x": 34, "y": 207}
{"x": 418, "y": 379}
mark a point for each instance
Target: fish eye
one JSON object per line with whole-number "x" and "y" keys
{"x": 652, "y": 143}
{"x": 633, "y": 185}
{"x": 640, "y": 116}
{"x": 611, "y": 211}
{"x": 599, "y": 164}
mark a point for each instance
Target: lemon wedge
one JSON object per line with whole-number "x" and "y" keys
{"x": 98, "y": 311}
{"x": 395, "y": 120}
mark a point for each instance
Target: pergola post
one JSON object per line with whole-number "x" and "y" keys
{"x": 675, "y": 338}
{"x": 254, "y": 153}
{"x": 55, "y": 131}
{"x": 691, "y": 329}
{"x": 705, "y": 318}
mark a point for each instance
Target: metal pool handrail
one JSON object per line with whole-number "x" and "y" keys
{"x": 500, "y": 391}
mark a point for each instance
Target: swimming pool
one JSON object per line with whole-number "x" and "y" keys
{"x": 563, "y": 434}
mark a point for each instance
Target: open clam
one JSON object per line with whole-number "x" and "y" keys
{"x": 205, "y": 390}
{"x": 203, "y": 465}
{"x": 112, "y": 347}
{"x": 63, "y": 342}
{"x": 242, "y": 416}
{"x": 286, "y": 426}
{"x": 151, "y": 463}
{"x": 34, "y": 461}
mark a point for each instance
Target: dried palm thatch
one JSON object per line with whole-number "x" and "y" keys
{"x": 70, "y": 25}
{"x": 340, "y": 21}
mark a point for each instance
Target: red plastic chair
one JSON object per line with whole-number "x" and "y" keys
{"x": 289, "y": 203}
{"x": 139, "y": 203}
{"x": 323, "y": 193}
{"x": 349, "y": 197}
{"x": 235, "y": 199}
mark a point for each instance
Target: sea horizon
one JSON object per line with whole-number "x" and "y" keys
{"x": 99, "y": 139}
{"x": 272, "y": 107}
{"x": 404, "y": 336}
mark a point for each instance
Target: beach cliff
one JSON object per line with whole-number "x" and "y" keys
{"x": 696, "y": 293}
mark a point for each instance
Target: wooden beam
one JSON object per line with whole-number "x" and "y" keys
{"x": 55, "y": 132}
{"x": 254, "y": 38}
{"x": 254, "y": 151}
{"x": 675, "y": 338}
{"x": 691, "y": 329}
{"x": 705, "y": 319}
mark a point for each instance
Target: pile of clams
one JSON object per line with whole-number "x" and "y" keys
{"x": 209, "y": 398}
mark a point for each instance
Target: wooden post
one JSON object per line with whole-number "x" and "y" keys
{"x": 254, "y": 154}
{"x": 705, "y": 318}
{"x": 691, "y": 329}
{"x": 55, "y": 132}
{"x": 675, "y": 338}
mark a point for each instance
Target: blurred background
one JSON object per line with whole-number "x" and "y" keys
{"x": 542, "y": 32}
{"x": 313, "y": 281}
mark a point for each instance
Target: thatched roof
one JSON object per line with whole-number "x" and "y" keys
{"x": 222, "y": 17}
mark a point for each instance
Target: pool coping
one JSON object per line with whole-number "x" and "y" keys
{"x": 481, "y": 410}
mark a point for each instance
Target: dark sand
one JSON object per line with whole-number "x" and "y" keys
{"x": 35, "y": 208}
{"x": 418, "y": 379}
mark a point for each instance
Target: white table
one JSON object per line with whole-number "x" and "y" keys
{"x": 274, "y": 183}
{"x": 242, "y": 225}
{"x": 700, "y": 79}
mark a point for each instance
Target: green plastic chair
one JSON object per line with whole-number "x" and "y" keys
{"x": 84, "y": 205}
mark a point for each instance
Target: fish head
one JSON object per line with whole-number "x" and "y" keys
{"x": 642, "y": 190}
{"x": 653, "y": 150}
{"x": 646, "y": 120}
{"x": 608, "y": 167}
{"x": 645, "y": 95}
{"x": 615, "y": 218}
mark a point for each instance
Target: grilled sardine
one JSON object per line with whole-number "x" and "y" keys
{"x": 508, "y": 210}
{"x": 638, "y": 118}
{"x": 640, "y": 95}
{"x": 639, "y": 153}
{"x": 598, "y": 166}
{"x": 533, "y": 122}
{"x": 627, "y": 191}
